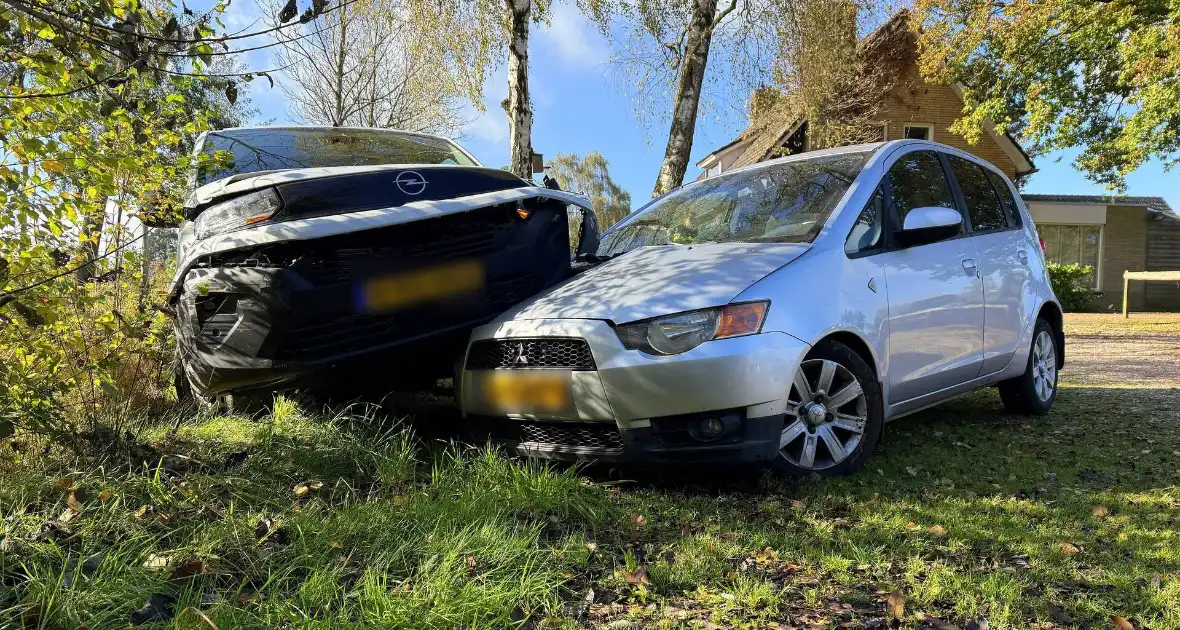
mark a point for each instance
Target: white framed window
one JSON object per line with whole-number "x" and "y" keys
{"x": 1075, "y": 245}
{"x": 918, "y": 131}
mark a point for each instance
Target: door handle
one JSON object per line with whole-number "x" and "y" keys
{"x": 1023, "y": 256}
{"x": 969, "y": 264}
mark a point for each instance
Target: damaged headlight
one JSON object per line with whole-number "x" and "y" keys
{"x": 674, "y": 334}
{"x": 237, "y": 212}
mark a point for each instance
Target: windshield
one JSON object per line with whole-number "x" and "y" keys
{"x": 784, "y": 203}
{"x": 252, "y": 150}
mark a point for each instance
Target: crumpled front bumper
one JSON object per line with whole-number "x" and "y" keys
{"x": 637, "y": 407}
{"x": 299, "y": 314}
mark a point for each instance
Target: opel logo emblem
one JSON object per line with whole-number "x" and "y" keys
{"x": 520, "y": 357}
{"x": 410, "y": 182}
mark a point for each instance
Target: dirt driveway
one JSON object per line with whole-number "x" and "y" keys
{"x": 1106, "y": 350}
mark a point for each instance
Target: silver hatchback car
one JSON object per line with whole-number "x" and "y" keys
{"x": 779, "y": 313}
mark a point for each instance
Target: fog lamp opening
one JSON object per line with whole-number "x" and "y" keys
{"x": 714, "y": 428}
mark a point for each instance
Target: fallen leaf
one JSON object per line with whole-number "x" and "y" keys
{"x": 937, "y": 530}
{"x": 106, "y": 495}
{"x": 638, "y": 519}
{"x": 592, "y": 547}
{"x": 912, "y": 526}
{"x": 156, "y": 561}
{"x": 796, "y": 504}
{"x": 638, "y": 576}
{"x": 1156, "y": 581}
{"x": 1058, "y": 614}
{"x": 1069, "y": 548}
{"x": 65, "y": 483}
{"x": 766, "y": 556}
{"x": 74, "y": 503}
{"x": 471, "y": 565}
{"x": 1121, "y": 623}
{"x": 1100, "y": 511}
{"x": 304, "y": 489}
{"x": 67, "y": 515}
{"x": 188, "y": 569}
{"x": 895, "y": 604}
{"x": 335, "y": 544}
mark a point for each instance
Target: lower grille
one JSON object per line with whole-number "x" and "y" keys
{"x": 308, "y": 341}
{"x": 491, "y": 354}
{"x": 603, "y": 436}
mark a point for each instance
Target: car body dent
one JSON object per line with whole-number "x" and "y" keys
{"x": 333, "y": 225}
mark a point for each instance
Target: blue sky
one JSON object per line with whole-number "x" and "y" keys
{"x": 579, "y": 107}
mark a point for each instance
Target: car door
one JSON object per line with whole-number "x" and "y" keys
{"x": 935, "y": 290}
{"x": 997, "y": 241}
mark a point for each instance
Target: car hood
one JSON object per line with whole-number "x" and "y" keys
{"x": 660, "y": 280}
{"x": 245, "y": 182}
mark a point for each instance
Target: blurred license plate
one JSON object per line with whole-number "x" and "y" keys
{"x": 425, "y": 285}
{"x": 525, "y": 391}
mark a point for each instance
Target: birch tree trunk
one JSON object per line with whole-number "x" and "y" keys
{"x": 518, "y": 108}
{"x": 338, "y": 114}
{"x": 688, "y": 96}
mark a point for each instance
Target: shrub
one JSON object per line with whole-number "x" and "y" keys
{"x": 1073, "y": 285}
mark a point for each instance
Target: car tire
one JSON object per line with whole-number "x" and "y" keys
{"x": 1033, "y": 392}
{"x": 840, "y": 439}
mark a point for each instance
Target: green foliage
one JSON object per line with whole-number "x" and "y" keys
{"x": 1064, "y": 73}
{"x": 1073, "y": 285}
{"x": 391, "y": 532}
{"x": 99, "y": 104}
{"x": 589, "y": 176}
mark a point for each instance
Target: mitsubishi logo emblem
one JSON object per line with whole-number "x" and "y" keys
{"x": 410, "y": 182}
{"x": 520, "y": 357}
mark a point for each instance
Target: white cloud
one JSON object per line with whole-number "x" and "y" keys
{"x": 574, "y": 38}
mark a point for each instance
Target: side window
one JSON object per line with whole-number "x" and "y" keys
{"x": 1006, "y": 200}
{"x": 917, "y": 180}
{"x": 866, "y": 234}
{"x": 983, "y": 205}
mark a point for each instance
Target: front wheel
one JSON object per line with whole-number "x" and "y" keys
{"x": 1033, "y": 392}
{"x": 834, "y": 414}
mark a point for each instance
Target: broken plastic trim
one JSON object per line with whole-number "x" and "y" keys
{"x": 333, "y": 225}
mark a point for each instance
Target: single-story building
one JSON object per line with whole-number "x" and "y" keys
{"x": 1113, "y": 234}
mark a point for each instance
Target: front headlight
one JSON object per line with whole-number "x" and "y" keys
{"x": 237, "y": 212}
{"x": 674, "y": 334}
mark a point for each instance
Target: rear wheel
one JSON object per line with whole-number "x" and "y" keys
{"x": 1033, "y": 392}
{"x": 834, "y": 414}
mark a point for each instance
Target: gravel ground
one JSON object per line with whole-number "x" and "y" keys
{"x": 1105, "y": 350}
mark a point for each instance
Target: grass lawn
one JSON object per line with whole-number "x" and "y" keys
{"x": 966, "y": 518}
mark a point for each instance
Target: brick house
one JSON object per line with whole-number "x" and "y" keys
{"x": 1110, "y": 233}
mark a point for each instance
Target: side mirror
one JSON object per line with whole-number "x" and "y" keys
{"x": 930, "y": 224}
{"x": 589, "y": 241}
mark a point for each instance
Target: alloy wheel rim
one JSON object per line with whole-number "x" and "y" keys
{"x": 1044, "y": 366}
{"x": 826, "y": 415}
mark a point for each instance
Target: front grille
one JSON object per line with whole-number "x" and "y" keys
{"x": 491, "y": 354}
{"x": 311, "y": 340}
{"x": 602, "y": 436}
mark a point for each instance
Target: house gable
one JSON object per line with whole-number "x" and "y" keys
{"x": 911, "y": 101}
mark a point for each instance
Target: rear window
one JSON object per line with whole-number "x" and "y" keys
{"x": 252, "y": 150}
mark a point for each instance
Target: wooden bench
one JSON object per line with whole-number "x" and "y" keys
{"x": 1146, "y": 276}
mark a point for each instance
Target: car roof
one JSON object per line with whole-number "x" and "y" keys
{"x": 330, "y": 128}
